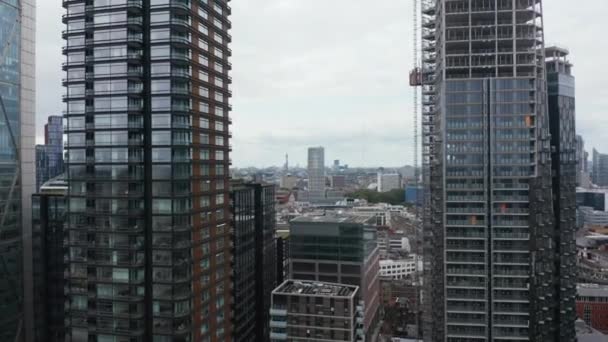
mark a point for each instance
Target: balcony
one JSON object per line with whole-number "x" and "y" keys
{"x": 278, "y": 336}
{"x": 278, "y": 324}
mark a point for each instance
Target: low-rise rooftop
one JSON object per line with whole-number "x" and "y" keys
{"x": 592, "y": 290}
{"x": 336, "y": 218}
{"x": 315, "y": 288}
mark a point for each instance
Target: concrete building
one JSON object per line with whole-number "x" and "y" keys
{"x": 315, "y": 311}
{"x": 592, "y": 306}
{"x": 398, "y": 269}
{"x": 17, "y": 168}
{"x": 587, "y": 216}
{"x": 49, "y": 157}
{"x": 255, "y": 258}
{"x": 490, "y": 238}
{"x": 339, "y": 249}
{"x": 316, "y": 174}
{"x": 148, "y": 146}
{"x": 599, "y": 173}
{"x": 338, "y": 182}
{"x": 289, "y": 182}
{"x": 388, "y": 181}
{"x": 584, "y": 333}
{"x": 49, "y": 262}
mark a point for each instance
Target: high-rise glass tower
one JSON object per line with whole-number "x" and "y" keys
{"x": 599, "y": 173}
{"x": 49, "y": 157}
{"x": 316, "y": 174}
{"x": 17, "y": 93}
{"x": 147, "y": 110}
{"x": 564, "y": 144}
{"x": 490, "y": 232}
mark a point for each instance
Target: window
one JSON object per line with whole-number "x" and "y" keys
{"x": 204, "y": 123}
{"x": 203, "y": 45}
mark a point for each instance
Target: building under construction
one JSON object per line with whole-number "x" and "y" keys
{"x": 496, "y": 260}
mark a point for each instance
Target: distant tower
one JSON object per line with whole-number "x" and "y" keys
{"x": 286, "y": 162}
{"x": 316, "y": 173}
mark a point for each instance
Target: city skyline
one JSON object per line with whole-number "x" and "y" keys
{"x": 153, "y": 229}
{"x": 338, "y": 88}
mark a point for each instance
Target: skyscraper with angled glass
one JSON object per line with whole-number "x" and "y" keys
{"x": 490, "y": 230}
{"x": 147, "y": 110}
{"x": 17, "y": 93}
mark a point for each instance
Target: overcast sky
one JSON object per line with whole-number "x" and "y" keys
{"x": 334, "y": 73}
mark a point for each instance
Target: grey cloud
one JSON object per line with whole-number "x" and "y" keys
{"x": 334, "y": 72}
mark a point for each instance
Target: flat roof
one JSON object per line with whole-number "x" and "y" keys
{"x": 316, "y": 288}
{"x": 592, "y": 290}
{"x": 338, "y": 218}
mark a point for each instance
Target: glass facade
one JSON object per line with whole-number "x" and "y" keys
{"x": 49, "y": 264}
{"x": 255, "y": 258}
{"x": 339, "y": 249}
{"x": 11, "y": 288}
{"x": 147, "y": 112}
{"x": 16, "y": 165}
{"x": 564, "y": 162}
{"x": 49, "y": 157}
{"x": 490, "y": 258}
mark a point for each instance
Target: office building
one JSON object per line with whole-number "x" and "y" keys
{"x": 316, "y": 174}
{"x": 17, "y": 177}
{"x": 289, "y": 182}
{"x": 255, "y": 258}
{"x": 49, "y": 157}
{"x": 49, "y": 256}
{"x": 314, "y": 311}
{"x": 589, "y": 217}
{"x": 592, "y": 305}
{"x": 398, "y": 268}
{"x": 594, "y": 198}
{"x": 489, "y": 226}
{"x": 599, "y": 173}
{"x": 338, "y": 182}
{"x": 283, "y": 259}
{"x": 562, "y": 123}
{"x": 582, "y": 158}
{"x": 388, "y": 181}
{"x": 147, "y": 112}
{"x": 339, "y": 249}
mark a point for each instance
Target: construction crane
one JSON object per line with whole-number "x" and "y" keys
{"x": 415, "y": 83}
